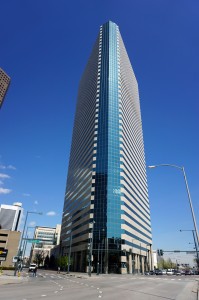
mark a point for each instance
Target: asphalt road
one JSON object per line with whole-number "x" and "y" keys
{"x": 50, "y": 285}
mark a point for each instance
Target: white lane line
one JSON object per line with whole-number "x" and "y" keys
{"x": 55, "y": 292}
{"x": 43, "y": 295}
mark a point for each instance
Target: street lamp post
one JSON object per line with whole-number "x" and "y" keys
{"x": 25, "y": 244}
{"x": 189, "y": 196}
{"x": 194, "y": 238}
{"x": 140, "y": 259}
{"x": 69, "y": 253}
{"x": 19, "y": 251}
{"x": 91, "y": 250}
{"x": 133, "y": 259}
{"x": 98, "y": 255}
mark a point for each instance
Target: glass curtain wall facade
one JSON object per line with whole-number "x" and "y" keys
{"x": 106, "y": 215}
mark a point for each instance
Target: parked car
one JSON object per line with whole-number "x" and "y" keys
{"x": 189, "y": 272}
{"x": 158, "y": 272}
{"x": 151, "y": 272}
{"x": 170, "y": 272}
{"x": 164, "y": 272}
{"x": 177, "y": 272}
{"x": 32, "y": 267}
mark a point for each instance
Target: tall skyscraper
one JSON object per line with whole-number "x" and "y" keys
{"x": 10, "y": 216}
{"x": 4, "y": 84}
{"x": 106, "y": 215}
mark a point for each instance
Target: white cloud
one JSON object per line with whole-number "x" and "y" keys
{"x": 1, "y": 182}
{"x": 26, "y": 195}
{"x": 4, "y": 176}
{"x": 51, "y": 213}
{"x": 36, "y": 202}
{"x": 10, "y": 167}
{"x": 32, "y": 224}
{"x": 5, "y": 191}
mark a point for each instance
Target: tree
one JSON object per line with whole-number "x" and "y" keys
{"x": 47, "y": 261}
{"x": 62, "y": 262}
{"x": 39, "y": 258}
{"x": 196, "y": 260}
{"x": 166, "y": 264}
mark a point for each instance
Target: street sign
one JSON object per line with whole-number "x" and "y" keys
{"x": 3, "y": 253}
{"x": 33, "y": 241}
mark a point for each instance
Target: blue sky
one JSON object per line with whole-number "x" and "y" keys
{"x": 44, "y": 48}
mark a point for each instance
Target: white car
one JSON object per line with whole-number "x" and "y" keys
{"x": 170, "y": 272}
{"x": 32, "y": 267}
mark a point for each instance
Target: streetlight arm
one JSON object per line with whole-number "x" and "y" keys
{"x": 165, "y": 165}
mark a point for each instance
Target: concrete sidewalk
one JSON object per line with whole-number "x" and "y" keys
{"x": 7, "y": 277}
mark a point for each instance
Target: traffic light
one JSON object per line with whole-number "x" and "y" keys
{"x": 161, "y": 252}
{"x": 158, "y": 252}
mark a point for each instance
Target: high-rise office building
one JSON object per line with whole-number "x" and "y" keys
{"x": 10, "y": 216}
{"x": 4, "y": 84}
{"x": 106, "y": 215}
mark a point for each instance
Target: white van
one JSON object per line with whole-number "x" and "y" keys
{"x": 32, "y": 267}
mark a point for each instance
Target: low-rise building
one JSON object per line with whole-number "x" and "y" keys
{"x": 9, "y": 242}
